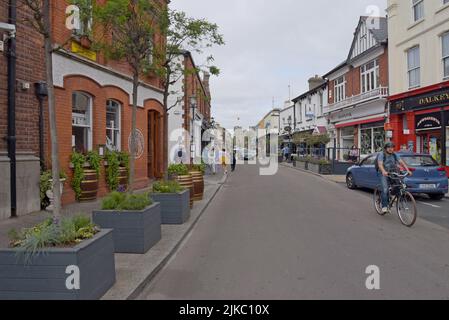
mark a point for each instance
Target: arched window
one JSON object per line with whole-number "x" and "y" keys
{"x": 81, "y": 122}
{"x": 113, "y": 125}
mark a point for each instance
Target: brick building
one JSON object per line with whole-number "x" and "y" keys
{"x": 29, "y": 70}
{"x": 93, "y": 102}
{"x": 358, "y": 90}
{"x": 189, "y": 119}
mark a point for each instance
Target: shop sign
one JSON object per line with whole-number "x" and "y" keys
{"x": 84, "y": 52}
{"x": 434, "y": 99}
{"x": 428, "y": 121}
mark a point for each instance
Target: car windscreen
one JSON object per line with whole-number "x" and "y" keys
{"x": 419, "y": 161}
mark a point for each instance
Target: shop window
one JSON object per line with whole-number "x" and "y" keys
{"x": 414, "y": 67}
{"x": 113, "y": 125}
{"x": 372, "y": 139}
{"x": 81, "y": 122}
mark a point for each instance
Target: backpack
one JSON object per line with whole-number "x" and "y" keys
{"x": 396, "y": 159}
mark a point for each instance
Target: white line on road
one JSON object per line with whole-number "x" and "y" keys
{"x": 430, "y": 205}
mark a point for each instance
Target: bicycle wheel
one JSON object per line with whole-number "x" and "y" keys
{"x": 378, "y": 202}
{"x": 407, "y": 211}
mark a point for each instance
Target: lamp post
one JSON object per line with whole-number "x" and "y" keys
{"x": 193, "y": 102}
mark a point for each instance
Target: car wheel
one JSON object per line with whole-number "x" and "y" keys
{"x": 436, "y": 196}
{"x": 350, "y": 181}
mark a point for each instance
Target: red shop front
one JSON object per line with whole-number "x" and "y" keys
{"x": 419, "y": 120}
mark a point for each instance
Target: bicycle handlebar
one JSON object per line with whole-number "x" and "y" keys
{"x": 397, "y": 175}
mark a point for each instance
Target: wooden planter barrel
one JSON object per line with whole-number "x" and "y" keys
{"x": 123, "y": 177}
{"x": 187, "y": 182}
{"x": 198, "y": 185}
{"x": 89, "y": 185}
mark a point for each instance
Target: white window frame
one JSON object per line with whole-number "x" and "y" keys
{"x": 90, "y": 125}
{"x": 366, "y": 77}
{"x": 444, "y": 57}
{"x": 409, "y": 70}
{"x": 415, "y": 4}
{"x": 118, "y": 129}
{"x": 340, "y": 89}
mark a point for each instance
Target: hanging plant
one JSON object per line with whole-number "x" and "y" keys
{"x": 112, "y": 170}
{"x": 78, "y": 160}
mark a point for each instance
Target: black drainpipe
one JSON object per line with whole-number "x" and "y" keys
{"x": 41, "y": 94}
{"x": 11, "y": 139}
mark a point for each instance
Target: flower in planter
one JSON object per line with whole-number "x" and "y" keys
{"x": 167, "y": 187}
{"x": 48, "y": 234}
{"x": 126, "y": 202}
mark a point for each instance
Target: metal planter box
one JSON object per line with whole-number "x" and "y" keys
{"x": 302, "y": 165}
{"x": 175, "y": 207}
{"x": 133, "y": 231}
{"x": 44, "y": 276}
{"x": 320, "y": 168}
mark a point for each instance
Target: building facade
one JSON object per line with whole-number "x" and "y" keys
{"x": 419, "y": 77}
{"x": 309, "y": 108}
{"x": 269, "y": 125}
{"x": 358, "y": 91}
{"x": 190, "y": 116}
{"x": 20, "y": 114}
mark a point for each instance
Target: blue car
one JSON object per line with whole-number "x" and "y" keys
{"x": 428, "y": 176}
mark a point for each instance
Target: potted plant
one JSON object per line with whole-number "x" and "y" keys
{"x": 180, "y": 173}
{"x": 69, "y": 260}
{"x": 174, "y": 200}
{"x": 197, "y": 172}
{"x": 136, "y": 221}
{"x": 86, "y": 172}
{"x": 46, "y": 189}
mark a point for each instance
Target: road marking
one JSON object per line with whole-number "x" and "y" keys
{"x": 430, "y": 205}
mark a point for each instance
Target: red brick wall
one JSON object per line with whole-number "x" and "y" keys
{"x": 99, "y": 97}
{"x": 30, "y": 69}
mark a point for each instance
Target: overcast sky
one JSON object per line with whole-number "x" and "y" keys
{"x": 271, "y": 45}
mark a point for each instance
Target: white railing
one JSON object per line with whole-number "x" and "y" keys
{"x": 379, "y": 93}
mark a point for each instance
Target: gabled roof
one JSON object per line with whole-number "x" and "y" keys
{"x": 380, "y": 34}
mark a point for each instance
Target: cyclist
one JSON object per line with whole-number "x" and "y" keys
{"x": 387, "y": 162}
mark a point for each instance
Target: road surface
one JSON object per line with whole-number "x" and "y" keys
{"x": 298, "y": 236}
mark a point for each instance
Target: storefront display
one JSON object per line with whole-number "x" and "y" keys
{"x": 372, "y": 137}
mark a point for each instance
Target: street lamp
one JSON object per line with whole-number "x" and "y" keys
{"x": 193, "y": 103}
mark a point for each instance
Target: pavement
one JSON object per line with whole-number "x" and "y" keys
{"x": 133, "y": 272}
{"x": 296, "y": 235}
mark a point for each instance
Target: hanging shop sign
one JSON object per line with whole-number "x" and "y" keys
{"x": 434, "y": 99}
{"x": 428, "y": 121}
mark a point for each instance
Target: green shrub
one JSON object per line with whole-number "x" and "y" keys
{"x": 112, "y": 170}
{"x": 167, "y": 187}
{"x": 47, "y": 234}
{"x": 199, "y": 167}
{"x": 45, "y": 185}
{"x": 178, "y": 169}
{"x": 126, "y": 202}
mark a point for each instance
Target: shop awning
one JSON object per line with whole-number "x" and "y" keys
{"x": 355, "y": 123}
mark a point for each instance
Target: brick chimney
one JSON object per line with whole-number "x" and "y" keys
{"x": 315, "y": 82}
{"x": 206, "y": 79}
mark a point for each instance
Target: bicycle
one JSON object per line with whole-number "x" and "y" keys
{"x": 405, "y": 201}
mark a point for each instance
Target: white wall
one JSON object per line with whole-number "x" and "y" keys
{"x": 404, "y": 34}
{"x": 304, "y": 123}
{"x": 284, "y": 116}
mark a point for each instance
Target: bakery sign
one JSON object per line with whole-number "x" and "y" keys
{"x": 434, "y": 99}
{"x": 428, "y": 121}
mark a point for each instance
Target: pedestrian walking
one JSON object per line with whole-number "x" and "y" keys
{"x": 234, "y": 161}
{"x": 286, "y": 152}
{"x": 223, "y": 160}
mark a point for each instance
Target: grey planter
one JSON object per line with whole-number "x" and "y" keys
{"x": 44, "y": 276}
{"x": 320, "y": 168}
{"x": 302, "y": 165}
{"x": 175, "y": 207}
{"x": 134, "y": 232}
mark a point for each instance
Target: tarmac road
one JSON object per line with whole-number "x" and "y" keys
{"x": 298, "y": 236}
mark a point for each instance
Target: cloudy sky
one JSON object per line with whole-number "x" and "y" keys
{"x": 271, "y": 45}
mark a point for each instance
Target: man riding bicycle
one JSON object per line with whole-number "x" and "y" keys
{"x": 388, "y": 161}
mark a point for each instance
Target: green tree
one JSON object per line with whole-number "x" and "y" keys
{"x": 182, "y": 34}
{"x": 125, "y": 30}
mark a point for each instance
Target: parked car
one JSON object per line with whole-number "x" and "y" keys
{"x": 428, "y": 176}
